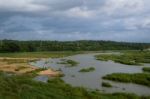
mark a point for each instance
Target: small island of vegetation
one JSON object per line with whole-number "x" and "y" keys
{"x": 146, "y": 69}
{"x": 138, "y": 78}
{"x": 106, "y": 84}
{"x": 70, "y": 63}
{"x": 90, "y": 69}
{"x": 128, "y": 57}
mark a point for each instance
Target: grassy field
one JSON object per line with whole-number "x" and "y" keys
{"x": 23, "y": 87}
{"x": 129, "y": 57}
{"x": 138, "y": 78}
{"x": 38, "y": 54}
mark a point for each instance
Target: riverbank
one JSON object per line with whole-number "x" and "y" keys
{"x": 22, "y": 66}
{"x": 18, "y": 63}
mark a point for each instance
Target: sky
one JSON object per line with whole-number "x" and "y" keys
{"x": 67, "y": 20}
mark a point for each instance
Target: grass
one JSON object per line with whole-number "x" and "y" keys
{"x": 38, "y": 54}
{"x": 16, "y": 60}
{"x": 146, "y": 69}
{"x": 23, "y": 87}
{"x": 128, "y": 58}
{"x": 106, "y": 84}
{"x": 90, "y": 69}
{"x": 70, "y": 63}
{"x": 138, "y": 78}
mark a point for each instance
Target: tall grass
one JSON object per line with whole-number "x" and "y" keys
{"x": 23, "y": 87}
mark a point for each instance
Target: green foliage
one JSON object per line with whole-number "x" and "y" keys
{"x": 106, "y": 84}
{"x": 129, "y": 58}
{"x": 36, "y": 46}
{"x": 38, "y": 54}
{"x": 23, "y": 87}
{"x": 90, "y": 69}
{"x": 146, "y": 69}
{"x": 138, "y": 78}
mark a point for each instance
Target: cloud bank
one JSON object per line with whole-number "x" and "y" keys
{"x": 119, "y": 20}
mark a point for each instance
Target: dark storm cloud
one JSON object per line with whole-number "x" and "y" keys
{"x": 121, "y": 20}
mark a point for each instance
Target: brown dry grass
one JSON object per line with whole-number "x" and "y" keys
{"x": 16, "y": 65}
{"x": 20, "y": 66}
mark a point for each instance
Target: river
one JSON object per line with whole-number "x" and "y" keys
{"x": 93, "y": 80}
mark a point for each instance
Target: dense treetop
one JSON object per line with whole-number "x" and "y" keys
{"x": 84, "y": 45}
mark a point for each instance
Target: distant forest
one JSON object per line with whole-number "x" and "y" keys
{"x": 84, "y": 45}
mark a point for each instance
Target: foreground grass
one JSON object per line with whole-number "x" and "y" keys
{"x": 146, "y": 69}
{"x": 23, "y": 87}
{"x": 129, "y": 58}
{"x": 38, "y": 54}
{"x": 138, "y": 78}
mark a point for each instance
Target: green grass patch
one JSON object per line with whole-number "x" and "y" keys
{"x": 69, "y": 63}
{"x": 90, "y": 69}
{"x": 106, "y": 84}
{"x": 146, "y": 69}
{"x": 38, "y": 54}
{"x": 128, "y": 58}
{"x": 138, "y": 78}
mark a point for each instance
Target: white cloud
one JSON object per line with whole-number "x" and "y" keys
{"x": 124, "y": 7}
{"x": 81, "y": 12}
{"x": 93, "y": 19}
{"x": 136, "y": 23}
{"x": 21, "y": 5}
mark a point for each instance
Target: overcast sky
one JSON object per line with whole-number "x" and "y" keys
{"x": 117, "y": 20}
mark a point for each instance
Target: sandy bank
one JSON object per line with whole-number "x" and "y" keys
{"x": 20, "y": 66}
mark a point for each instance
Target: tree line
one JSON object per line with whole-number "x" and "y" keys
{"x": 83, "y": 45}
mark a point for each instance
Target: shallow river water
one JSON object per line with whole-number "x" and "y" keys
{"x": 93, "y": 80}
